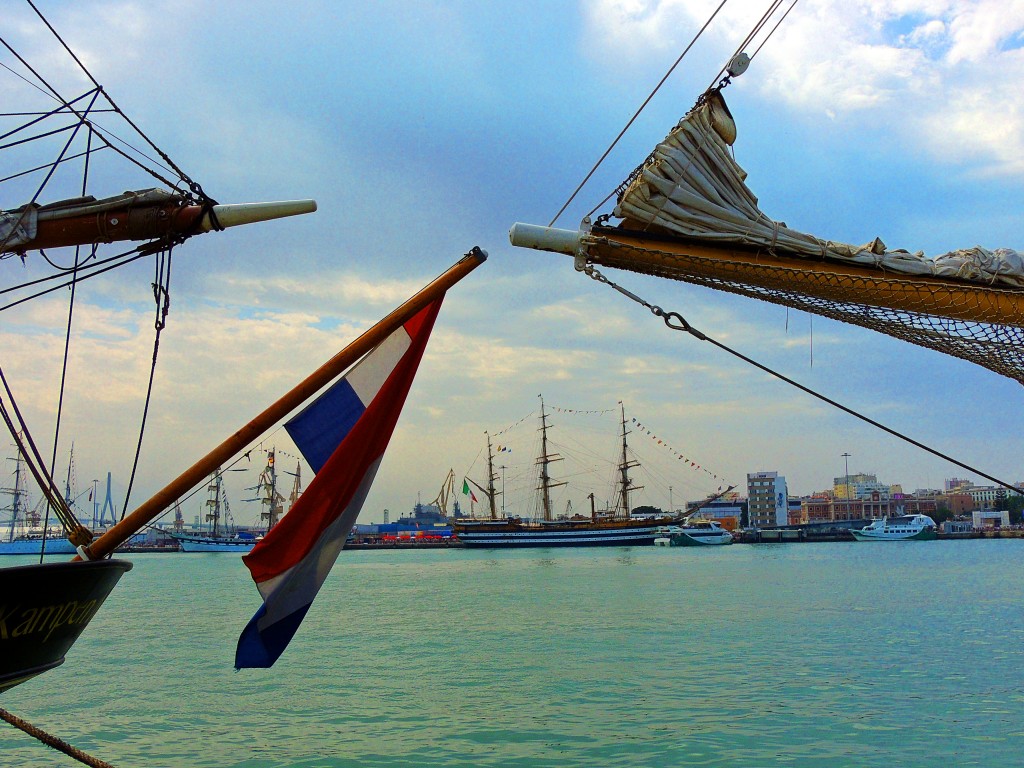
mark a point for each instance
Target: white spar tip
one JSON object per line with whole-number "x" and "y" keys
{"x": 249, "y": 213}
{"x": 545, "y": 238}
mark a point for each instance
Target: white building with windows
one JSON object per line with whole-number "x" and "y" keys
{"x": 767, "y": 500}
{"x": 989, "y": 496}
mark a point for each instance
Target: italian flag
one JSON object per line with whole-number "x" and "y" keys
{"x": 467, "y": 491}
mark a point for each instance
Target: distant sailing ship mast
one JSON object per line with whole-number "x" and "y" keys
{"x": 625, "y": 483}
{"x": 489, "y": 492}
{"x": 19, "y": 496}
{"x": 270, "y": 500}
{"x": 216, "y": 499}
{"x": 491, "y": 477}
{"x": 296, "y": 486}
{"x": 543, "y": 461}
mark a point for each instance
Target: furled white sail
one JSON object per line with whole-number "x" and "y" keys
{"x": 692, "y": 186}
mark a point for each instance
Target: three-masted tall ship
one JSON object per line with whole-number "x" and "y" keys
{"x": 611, "y": 527}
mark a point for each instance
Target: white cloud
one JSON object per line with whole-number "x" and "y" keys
{"x": 940, "y": 74}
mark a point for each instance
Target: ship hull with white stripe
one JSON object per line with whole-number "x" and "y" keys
{"x": 511, "y": 534}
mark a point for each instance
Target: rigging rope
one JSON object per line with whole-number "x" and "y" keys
{"x": 677, "y": 322}
{"x": 112, "y": 262}
{"x": 772, "y": 8}
{"x": 777, "y": 25}
{"x": 77, "y": 533}
{"x": 636, "y": 115}
{"x": 78, "y": 112}
{"x": 64, "y": 364}
{"x": 193, "y": 186}
{"x": 162, "y": 298}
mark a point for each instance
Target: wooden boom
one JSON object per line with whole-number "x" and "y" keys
{"x": 320, "y": 378}
{"x": 145, "y": 215}
{"x": 683, "y": 258}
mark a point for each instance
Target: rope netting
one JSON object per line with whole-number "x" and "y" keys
{"x": 923, "y": 319}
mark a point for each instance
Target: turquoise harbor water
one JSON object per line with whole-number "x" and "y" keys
{"x": 902, "y": 654}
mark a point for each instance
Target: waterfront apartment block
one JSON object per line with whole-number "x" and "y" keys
{"x": 767, "y": 500}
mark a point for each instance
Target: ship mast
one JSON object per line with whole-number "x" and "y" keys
{"x": 545, "y": 458}
{"x": 18, "y": 506}
{"x": 270, "y": 501}
{"x": 213, "y": 502}
{"x": 491, "y": 477}
{"x": 296, "y": 486}
{"x": 624, "y": 466}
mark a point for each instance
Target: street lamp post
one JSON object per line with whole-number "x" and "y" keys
{"x": 671, "y": 508}
{"x": 846, "y": 457}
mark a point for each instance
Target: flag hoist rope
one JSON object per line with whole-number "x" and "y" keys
{"x": 677, "y": 322}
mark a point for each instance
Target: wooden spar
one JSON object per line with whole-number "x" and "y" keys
{"x": 320, "y": 378}
{"x": 103, "y": 222}
{"x": 850, "y": 283}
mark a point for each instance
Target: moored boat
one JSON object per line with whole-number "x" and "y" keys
{"x": 582, "y": 532}
{"x": 902, "y": 528}
{"x": 44, "y": 607}
{"x": 699, "y": 533}
{"x": 33, "y": 543}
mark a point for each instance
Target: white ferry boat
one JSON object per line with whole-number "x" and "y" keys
{"x": 698, "y": 533}
{"x": 902, "y": 528}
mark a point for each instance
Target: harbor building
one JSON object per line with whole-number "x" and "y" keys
{"x": 816, "y": 508}
{"x": 990, "y": 497}
{"x": 859, "y": 486}
{"x": 990, "y": 518}
{"x": 767, "y": 500}
{"x": 957, "y": 527}
{"x": 918, "y": 503}
{"x": 958, "y": 503}
{"x": 877, "y": 504}
{"x": 794, "y": 511}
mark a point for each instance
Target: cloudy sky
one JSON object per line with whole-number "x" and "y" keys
{"x": 423, "y": 129}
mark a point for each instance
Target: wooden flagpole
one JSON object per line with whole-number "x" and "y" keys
{"x": 326, "y": 373}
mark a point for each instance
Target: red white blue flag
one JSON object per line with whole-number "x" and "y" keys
{"x": 343, "y": 435}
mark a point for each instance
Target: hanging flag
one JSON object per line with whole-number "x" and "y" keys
{"x": 359, "y": 413}
{"x": 466, "y": 490}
